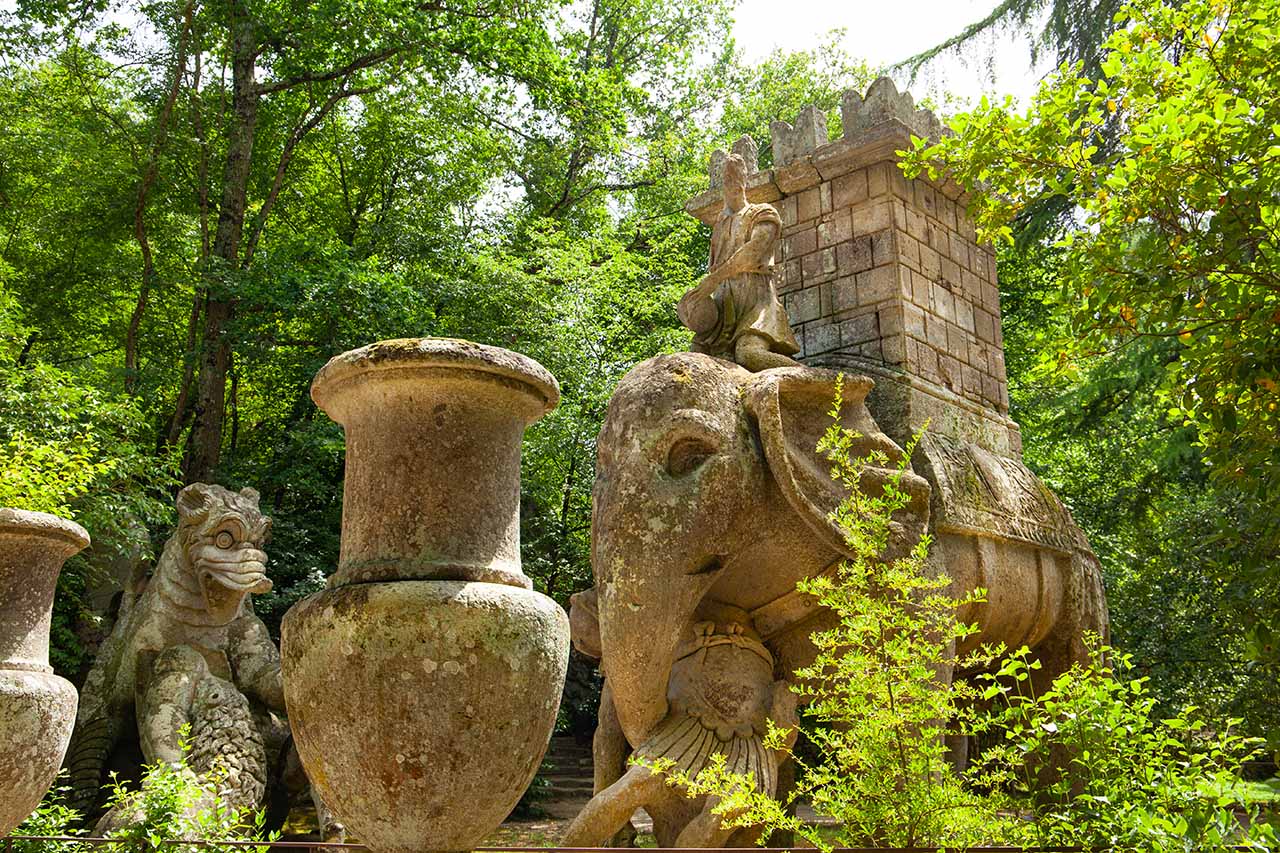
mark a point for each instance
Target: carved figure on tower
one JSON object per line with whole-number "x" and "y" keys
{"x": 734, "y": 311}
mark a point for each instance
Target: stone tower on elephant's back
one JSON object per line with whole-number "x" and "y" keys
{"x": 882, "y": 275}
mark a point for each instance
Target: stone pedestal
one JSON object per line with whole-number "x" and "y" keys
{"x": 37, "y": 708}
{"x": 423, "y": 685}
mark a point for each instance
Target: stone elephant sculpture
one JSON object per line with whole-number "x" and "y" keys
{"x": 710, "y": 503}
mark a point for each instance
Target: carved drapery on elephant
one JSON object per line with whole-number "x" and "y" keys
{"x": 187, "y": 651}
{"x": 711, "y": 499}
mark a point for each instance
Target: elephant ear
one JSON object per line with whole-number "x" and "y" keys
{"x": 792, "y": 408}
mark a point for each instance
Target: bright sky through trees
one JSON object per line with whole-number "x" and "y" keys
{"x": 884, "y": 33}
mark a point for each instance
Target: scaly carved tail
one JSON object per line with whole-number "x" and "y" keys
{"x": 87, "y": 756}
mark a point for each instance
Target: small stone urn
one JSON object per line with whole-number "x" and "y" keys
{"x": 37, "y": 708}
{"x": 422, "y": 686}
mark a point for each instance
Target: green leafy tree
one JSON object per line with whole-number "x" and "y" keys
{"x": 1069, "y": 31}
{"x": 1189, "y": 596}
{"x": 1178, "y": 236}
{"x": 1165, "y": 289}
{"x": 69, "y": 448}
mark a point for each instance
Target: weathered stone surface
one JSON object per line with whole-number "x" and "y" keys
{"x": 422, "y": 708}
{"x": 226, "y": 752}
{"x": 441, "y": 420}
{"x": 883, "y": 103}
{"x": 37, "y": 712}
{"x": 37, "y": 708}
{"x": 791, "y": 144}
{"x": 424, "y": 683}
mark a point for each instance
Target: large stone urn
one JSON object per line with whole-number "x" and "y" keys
{"x": 37, "y": 708}
{"x": 423, "y": 684}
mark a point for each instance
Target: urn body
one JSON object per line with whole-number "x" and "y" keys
{"x": 423, "y": 684}
{"x": 37, "y": 708}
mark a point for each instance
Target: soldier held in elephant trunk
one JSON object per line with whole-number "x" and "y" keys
{"x": 734, "y": 311}
{"x": 721, "y": 694}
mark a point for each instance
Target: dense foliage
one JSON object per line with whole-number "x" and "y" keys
{"x": 172, "y": 803}
{"x": 1142, "y": 332}
{"x": 1093, "y": 764}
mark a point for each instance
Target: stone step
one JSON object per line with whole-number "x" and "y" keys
{"x": 567, "y": 769}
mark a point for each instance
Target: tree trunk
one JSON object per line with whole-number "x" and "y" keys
{"x": 205, "y": 445}
{"x": 149, "y": 175}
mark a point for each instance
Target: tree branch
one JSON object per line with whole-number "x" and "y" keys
{"x": 286, "y": 156}
{"x": 369, "y": 60}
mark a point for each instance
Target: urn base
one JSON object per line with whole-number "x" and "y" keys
{"x": 422, "y": 709}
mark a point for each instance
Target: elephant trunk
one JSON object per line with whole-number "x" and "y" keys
{"x": 640, "y": 632}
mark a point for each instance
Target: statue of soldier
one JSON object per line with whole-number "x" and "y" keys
{"x": 734, "y": 311}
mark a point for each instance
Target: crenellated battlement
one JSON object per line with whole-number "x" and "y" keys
{"x": 883, "y": 103}
{"x": 793, "y": 143}
{"x": 875, "y": 125}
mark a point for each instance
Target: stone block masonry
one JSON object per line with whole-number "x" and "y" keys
{"x": 882, "y": 274}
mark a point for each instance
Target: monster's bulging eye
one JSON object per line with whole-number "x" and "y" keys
{"x": 686, "y": 455}
{"x": 224, "y": 539}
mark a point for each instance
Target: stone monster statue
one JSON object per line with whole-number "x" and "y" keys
{"x": 188, "y": 651}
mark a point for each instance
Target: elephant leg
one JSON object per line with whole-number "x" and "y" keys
{"x": 610, "y": 809}
{"x": 752, "y": 352}
{"x": 1069, "y": 644}
{"x": 786, "y": 784}
{"x": 955, "y": 743}
{"x": 609, "y": 752}
{"x": 331, "y": 829}
{"x": 958, "y": 751}
{"x": 705, "y": 830}
{"x": 609, "y": 747}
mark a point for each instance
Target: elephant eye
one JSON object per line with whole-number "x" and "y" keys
{"x": 686, "y": 455}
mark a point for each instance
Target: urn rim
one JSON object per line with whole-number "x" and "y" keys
{"x": 43, "y": 524}
{"x": 400, "y": 354}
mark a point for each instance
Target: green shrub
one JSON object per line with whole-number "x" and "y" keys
{"x": 45, "y": 476}
{"x": 52, "y": 817}
{"x": 174, "y": 803}
{"x": 1092, "y": 766}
